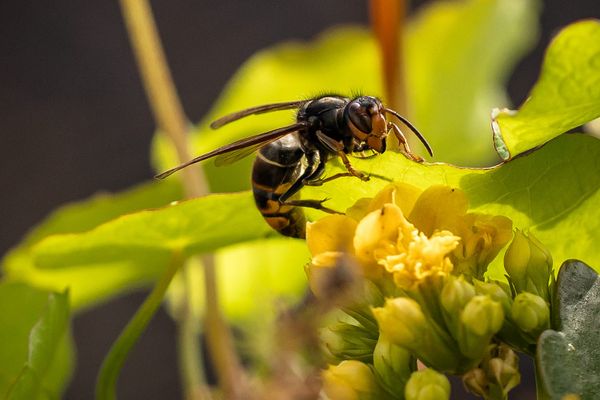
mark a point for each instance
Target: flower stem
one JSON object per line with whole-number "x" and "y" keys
{"x": 111, "y": 367}
{"x": 171, "y": 119}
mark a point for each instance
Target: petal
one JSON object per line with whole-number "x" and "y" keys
{"x": 331, "y": 233}
{"x": 438, "y": 207}
{"x": 401, "y": 194}
{"x": 377, "y": 228}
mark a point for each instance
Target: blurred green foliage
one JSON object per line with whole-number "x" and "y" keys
{"x": 36, "y": 351}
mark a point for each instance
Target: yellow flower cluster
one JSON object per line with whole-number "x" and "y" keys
{"x": 437, "y": 236}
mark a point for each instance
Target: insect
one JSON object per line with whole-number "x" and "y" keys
{"x": 293, "y": 156}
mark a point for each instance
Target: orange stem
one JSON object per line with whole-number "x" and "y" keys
{"x": 387, "y": 21}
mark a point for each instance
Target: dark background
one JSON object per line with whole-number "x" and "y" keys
{"x": 74, "y": 120}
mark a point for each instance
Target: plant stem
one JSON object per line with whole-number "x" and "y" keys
{"x": 112, "y": 364}
{"x": 160, "y": 89}
{"x": 171, "y": 119}
{"x": 388, "y": 20}
{"x": 188, "y": 349}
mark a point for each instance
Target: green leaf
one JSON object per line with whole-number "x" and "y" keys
{"x": 450, "y": 96}
{"x": 546, "y": 192}
{"x": 566, "y": 95}
{"x": 458, "y": 58}
{"x": 148, "y": 239}
{"x": 567, "y": 359}
{"x": 87, "y": 214}
{"x": 92, "y": 283}
{"x": 36, "y": 358}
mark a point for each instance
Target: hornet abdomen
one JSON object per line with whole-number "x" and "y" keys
{"x": 276, "y": 168}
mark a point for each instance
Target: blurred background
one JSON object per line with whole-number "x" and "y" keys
{"x": 74, "y": 121}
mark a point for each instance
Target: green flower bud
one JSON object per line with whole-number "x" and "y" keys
{"x": 531, "y": 313}
{"x": 393, "y": 365}
{"x": 345, "y": 341}
{"x": 349, "y": 380}
{"x": 402, "y": 321}
{"x": 427, "y": 384}
{"x": 481, "y": 318}
{"x": 529, "y": 265}
{"x": 498, "y": 291}
{"x": 456, "y": 294}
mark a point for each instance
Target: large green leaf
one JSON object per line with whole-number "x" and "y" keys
{"x": 450, "y": 96}
{"x": 145, "y": 241}
{"x": 458, "y": 58}
{"x": 92, "y": 283}
{"x": 566, "y": 95}
{"x": 149, "y": 238}
{"x": 36, "y": 356}
{"x": 567, "y": 359}
{"x": 553, "y": 191}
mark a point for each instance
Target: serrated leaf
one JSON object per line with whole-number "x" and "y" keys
{"x": 36, "y": 358}
{"x": 546, "y": 192}
{"x": 567, "y": 359}
{"x": 147, "y": 239}
{"x": 92, "y": 283}
{"x": 566, "y": 95}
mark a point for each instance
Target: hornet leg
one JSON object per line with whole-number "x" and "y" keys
{"x": 403, "y": 142}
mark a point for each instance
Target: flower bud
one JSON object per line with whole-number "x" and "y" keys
{"x": 531, "y": 313}
{"x": 505, "y": 375}
{"x": 476, "y": 382}
{"x": 345, "y": 341}
{"x": 529, "y": 265}
{"x": 496, "y": 375}
{"x": 456, "y": 294}
{"x": 402, "y": 321}
{"x": 427, "y": 384}
{"x": 393, "y": 365}
{"x": 498, "y": 291}
{"x": 349, "y": 380}
{"x": 481, "y": 318}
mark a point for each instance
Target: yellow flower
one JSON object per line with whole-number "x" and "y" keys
{"x": 482, "y": 236}
{"x": 384, "y": 237}
{"x": 438, "y": 235}
{"x": 349, "y": 380}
